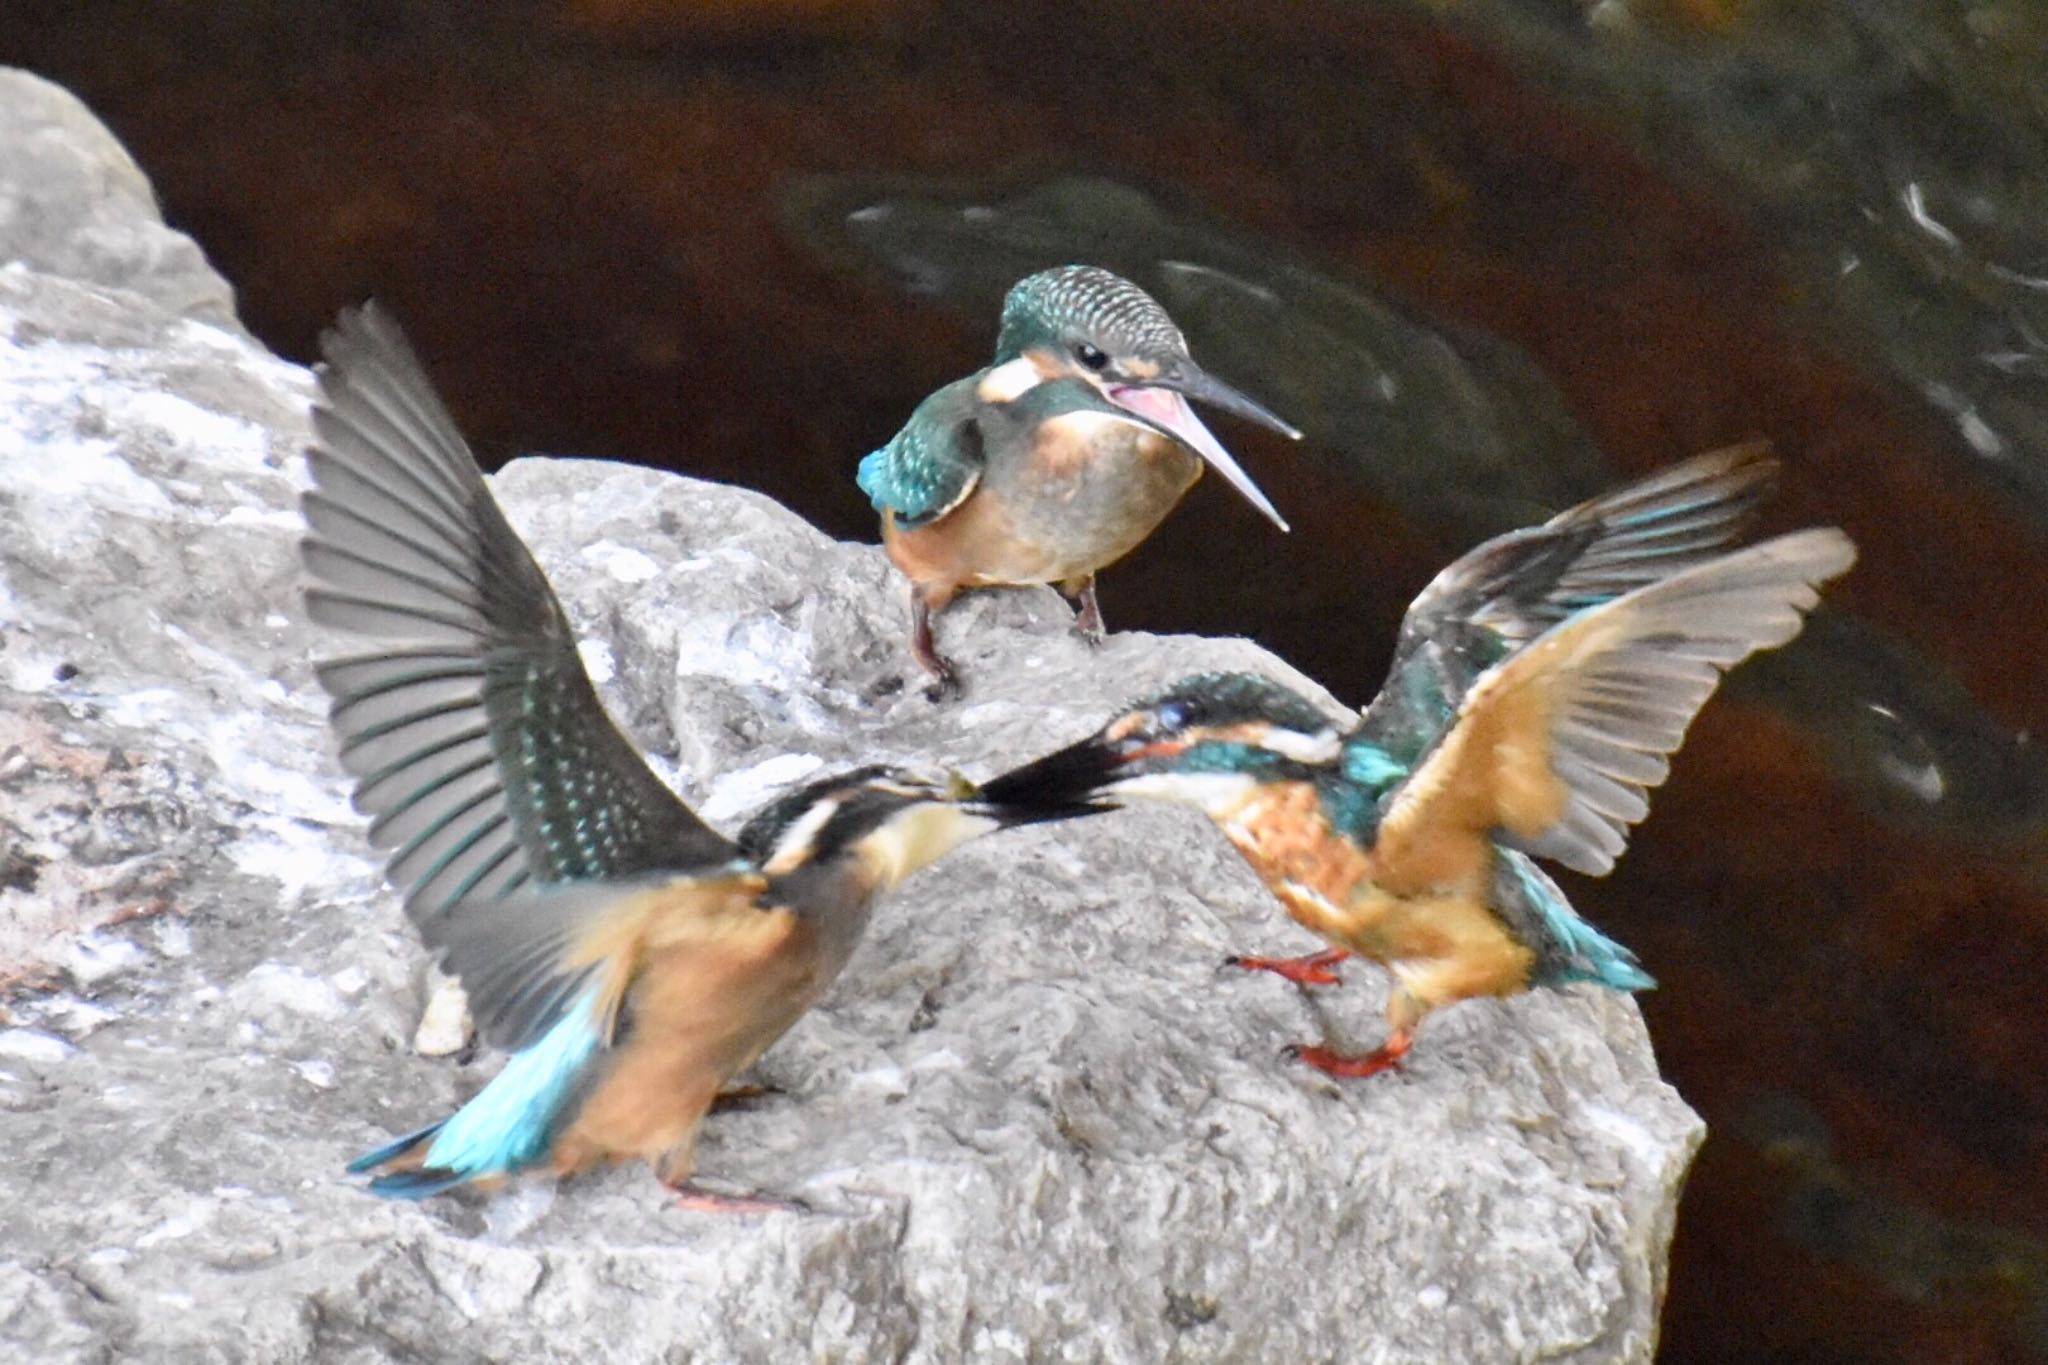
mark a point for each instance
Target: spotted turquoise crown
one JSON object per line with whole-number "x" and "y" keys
{"x": 1042, "y": 310}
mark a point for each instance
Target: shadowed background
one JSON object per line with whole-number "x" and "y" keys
{"x": 1489, "y": 268}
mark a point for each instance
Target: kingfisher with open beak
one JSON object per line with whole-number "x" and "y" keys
{"x": 1058, "y": 459}
{"x": 1539, "y": 685}
{"x": 629, "y": 957}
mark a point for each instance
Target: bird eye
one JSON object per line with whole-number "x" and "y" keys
{"x": 1173, "y": 716}
{"x": 1090, "y": 355}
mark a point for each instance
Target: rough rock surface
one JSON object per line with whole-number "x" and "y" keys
{"x": 1036, "y": 1120}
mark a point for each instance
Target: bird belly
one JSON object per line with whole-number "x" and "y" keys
{"x": 1442, "y": 943}
{"x": 1086, "y": 495}
{"x": 697, "y": 1016}
{"x": 1094, "y": 494}
{"x": 976, "y": 545}
{"x": 1440, "y": 948}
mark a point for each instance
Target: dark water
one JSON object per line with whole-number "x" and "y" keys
{"x": 1488, "y": 271}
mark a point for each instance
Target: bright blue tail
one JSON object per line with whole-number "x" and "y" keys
{"x": 393, "y": 1149}
{"x": 416, "y": 1183}
{"x": 508, "y": 1126}
{"x": 1569, "y": 949}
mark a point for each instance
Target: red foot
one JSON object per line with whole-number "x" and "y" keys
{"x": 690, "y": 1196}
{"x": 1334, "y": 1063}
{"x": 1313, "y": 970}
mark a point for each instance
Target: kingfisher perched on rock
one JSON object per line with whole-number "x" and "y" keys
{"x": 629, "y": 957}
{"x": 1056, "y": 460}
{"x": 1538, "y": 686}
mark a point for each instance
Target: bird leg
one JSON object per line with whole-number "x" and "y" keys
{"x": 945, "y": 678}
{"x": 738, "y": 1095}
{"x": 1088, "y": 614}
{"x": 1311, "y": 970}
{"x": 1385, "y": 1057}
{"x": 689, "y": 1195}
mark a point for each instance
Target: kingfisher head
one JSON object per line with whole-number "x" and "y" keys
{"x": 883, "y": 823}
{"x": 1082, "y": 322}
{"x": 1205, "y": 741}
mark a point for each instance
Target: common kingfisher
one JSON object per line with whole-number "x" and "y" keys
{"x": 1538, "y": 686}
{"x": 629, "y": 957}
{"x": 1058, "y": 459}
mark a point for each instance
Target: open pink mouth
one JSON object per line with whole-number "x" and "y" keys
{"x": 1170, "y": 412}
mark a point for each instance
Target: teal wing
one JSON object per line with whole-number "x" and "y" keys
{"x": 1514, "y": 587}
{"x": 931, "y": 465}
{"x": 477, "y": 741}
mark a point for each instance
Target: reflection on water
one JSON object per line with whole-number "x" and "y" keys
{"x": 1899, "y": 151}
{"x": 1995, "y": 1271}
{"x": 1458, "y": 430}
{"x": 1461, "y": 429}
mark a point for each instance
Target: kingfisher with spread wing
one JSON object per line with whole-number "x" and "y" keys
{"x": 1539, "y": 686}
{"x": 630, "y": 958}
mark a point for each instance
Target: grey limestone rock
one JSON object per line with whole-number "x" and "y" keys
{"x": 1036, "y": 1120}
{"x": 73, "y": 203}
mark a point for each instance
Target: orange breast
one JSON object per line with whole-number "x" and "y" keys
{"x": 1444, "y": 942}
{"x": 1281, "y": 831}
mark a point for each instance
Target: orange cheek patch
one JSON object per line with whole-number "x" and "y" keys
{"x": 1161, "y": 748}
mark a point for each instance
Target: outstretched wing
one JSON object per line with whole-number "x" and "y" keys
{"x": 1516, "y": 586}
{"x": 930, "y": 466}
{"x": 1556, "y": 749}
{"x": 478, "y": 744}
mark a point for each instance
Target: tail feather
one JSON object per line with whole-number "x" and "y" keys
{"x": 393, "y": 1150}
{"x": 508, "y": 1126}
{"x": 1567, "y": 947}
{"x": 417, "y": 1183}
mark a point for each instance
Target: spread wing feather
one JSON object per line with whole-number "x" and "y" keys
{"x": 1514, "y": 587}
{"x": 477, "y": 740}
{"x": 1556, "y": 748}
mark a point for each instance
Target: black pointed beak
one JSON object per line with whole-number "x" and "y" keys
{"x": 1186, "y": 377}
{"x": 1011, "y": 814}
{"x": 1066, "y": 780}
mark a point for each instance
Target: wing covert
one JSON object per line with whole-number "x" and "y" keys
{"x": 928, "y": 468}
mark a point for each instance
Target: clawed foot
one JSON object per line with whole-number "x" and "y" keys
{"x": 1088, "y": 613}
{"x": 945, "y": 677}
{"x": 1312, "y": 970}
{"x": 1345, "y": 1066}
{"x": 693, "y": 1196}
{"x": 945, "y": 683}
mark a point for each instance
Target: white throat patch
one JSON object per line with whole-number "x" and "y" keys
{"x": 1217, "y": 794}
{"x": 1008, "y": 382}
{"x": 918, "y": 835}
{"x": 1321, "y": 747}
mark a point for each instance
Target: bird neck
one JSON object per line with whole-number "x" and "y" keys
{"x": 912, "y": 837}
